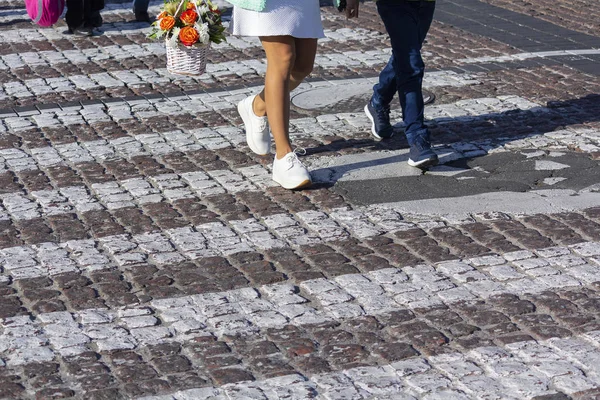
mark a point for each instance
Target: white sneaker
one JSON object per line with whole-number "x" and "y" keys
{"x": 290, "y": 173}
{"x": 257, "y": 128}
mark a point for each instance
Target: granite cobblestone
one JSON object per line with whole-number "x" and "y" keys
{"x": 377, "y": 292}
{"x": 526, "y": 352}
{"x": 145, "y": 254}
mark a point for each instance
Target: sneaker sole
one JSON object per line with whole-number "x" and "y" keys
{"x": 248, "y": 141}
{"x": 302, "y": 185}
{"x": 430, "y": 162}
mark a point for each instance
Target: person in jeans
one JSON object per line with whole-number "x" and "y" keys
{"x": 407, "y": 23}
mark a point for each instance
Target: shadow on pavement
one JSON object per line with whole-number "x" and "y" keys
{"x": 15, "y": 21}
{"x": 489, "y": 131}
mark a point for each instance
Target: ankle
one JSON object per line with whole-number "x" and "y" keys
{"x": 259, "y": 107}
{"x": 279, "y": 154}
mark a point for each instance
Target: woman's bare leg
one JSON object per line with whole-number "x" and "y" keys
{"x": 281, "y": 54}
{"x": 289, "y": 61}
{"x": 306, "y": 51}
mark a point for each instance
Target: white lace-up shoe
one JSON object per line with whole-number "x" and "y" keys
{"x": 257, "y": 128}
{"x": 290, "y": 173}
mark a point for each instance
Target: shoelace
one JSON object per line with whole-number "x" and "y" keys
{"x": 383, "y": 113}
{"x": 292, "y": 158}
{"x": 301, "y": 151}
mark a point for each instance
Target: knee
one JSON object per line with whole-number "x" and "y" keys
{"x": 410, "y": 72}
{"x": 302, "y": 69}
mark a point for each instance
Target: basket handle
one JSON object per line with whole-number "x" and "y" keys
{"x": 207, "y": 2}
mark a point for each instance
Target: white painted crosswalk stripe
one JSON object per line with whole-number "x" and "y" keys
{"x": 530, "y": 55}
{"x": 163, "y": 143}
{"x": 249, "y": 311}
{"x": 130, "y": 51}
{"x": 280, "y": 230}
{"x": 477, "y": 374}
{"x": 191, "y": 243}
{"x": 133, "y": 77}
{"x": 197, "y": 102}
{"x": 172, "y": 187}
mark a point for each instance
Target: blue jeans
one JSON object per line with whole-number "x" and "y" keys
{"x": 407, "y": 24}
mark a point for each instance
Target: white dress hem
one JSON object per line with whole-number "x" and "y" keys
{"x": 297, "y": 18}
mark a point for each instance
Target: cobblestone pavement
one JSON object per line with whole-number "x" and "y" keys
{"x": 145, "y": 252}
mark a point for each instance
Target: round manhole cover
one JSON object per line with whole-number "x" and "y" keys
{"x": 340, "y": 99}
{"x": 351, "y": 104}
{"x": 350, "y": 97}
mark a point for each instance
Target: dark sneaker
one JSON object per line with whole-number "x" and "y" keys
{"x": 421, "y": 155}
{"x": 380, "y": 121}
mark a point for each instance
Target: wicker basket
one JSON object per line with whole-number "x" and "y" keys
{"x": 184, "y": 60}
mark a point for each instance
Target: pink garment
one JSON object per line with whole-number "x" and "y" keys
{"x": 45, "y": 12}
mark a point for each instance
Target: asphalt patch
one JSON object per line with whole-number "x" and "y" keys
{"x": 499, "y": 172}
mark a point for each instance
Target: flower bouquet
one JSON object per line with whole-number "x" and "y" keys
{"x": 189, "y": 27}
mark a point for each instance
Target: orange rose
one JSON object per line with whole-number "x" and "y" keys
{"x": 189, "y": 17}
{"x": 167, "y": 23}
{"x": 162, "y": 15}
{"x": 191, "y": 6}
{"x": 188, "y": 35}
